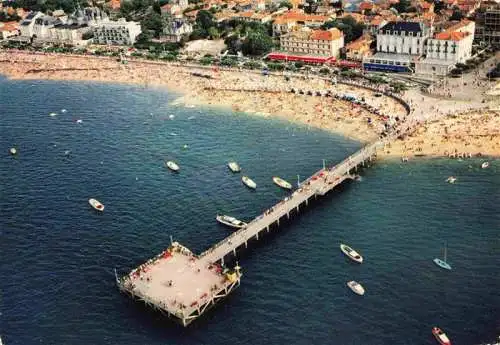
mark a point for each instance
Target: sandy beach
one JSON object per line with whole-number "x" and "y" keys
{"x": 455, "y": 136}
{"x": 338, "y": 116}
{"x": 467, "y": 131}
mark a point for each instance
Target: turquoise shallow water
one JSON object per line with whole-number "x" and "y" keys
{"x": 57, "y": 256}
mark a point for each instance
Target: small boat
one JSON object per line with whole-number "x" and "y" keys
{"x": 356, "y": 287}
{"x": 442, "y": 263}
{"x": 441, "y": 337}
{"x": 63, "y": 110}
{"x": 79, "y": 121}
{"x": 171, "y": 116}
{"x": 234, "y": 167}
{"x": 351, "y": 253}
{"x": 249, "y": 182}
{"x": 230, "y": 221}
{"x": 53, "y": 114}
{"x": 96, "y": 205}
{"x": 282, "y": 183}
{"x": 451, "y": 179}
{"x": 13, "y": 151}
{"x": 485, "y": 165}
{"x": 172, "y": 166}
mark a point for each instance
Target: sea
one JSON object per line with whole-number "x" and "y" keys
{"x": 110, "y": 142}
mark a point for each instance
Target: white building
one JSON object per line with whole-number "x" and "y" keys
{"x": 446, "y": 49}
{"x": 26, "y": 25}
{"x": 313, "y": 42}
{"x": 176, "y": 28}
{"x": 402, "y": 38}
{"x": 69, "y": 34}
{"x": 399, "y": 45}
{"x": 41, "y": 29}
{"x": 118, "y": 32}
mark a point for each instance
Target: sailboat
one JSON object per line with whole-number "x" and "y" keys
{"x": 442, "y": 263}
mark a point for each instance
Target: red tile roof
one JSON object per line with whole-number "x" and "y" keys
{"x": 365, "y": 5}
{"x": 451, "y": 36}
{"x": 326, "y": 35}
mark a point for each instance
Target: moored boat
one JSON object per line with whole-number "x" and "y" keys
{"x": 234, "y": 167}
{"x": 282, "y": 183}
{"x": 451, "y": 179}
{"x": 441, "y": 337}
{"x": 485, "y": 165}
{"x": 96, "y": 205}
{"x": 13, "y": 151}
{"x": 249, "y": 182}
{"x": 351, "y": 253}
{"x": 443, "y": 263}
{"x": 356, "y": 287}
{"x": 230, "y": 221}
{"x": 172, "y": 166}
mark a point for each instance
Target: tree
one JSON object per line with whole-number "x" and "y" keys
{"x": 205, "y": 20}
{"x": 310, "y": 6}
{"x": 257, "y": 43}
{"x": 457, "y": 15}
{"x": 403, "y": 6}
{"x": 153, "y": 22}
{"x": 348, "y": 25}
{"x": 213, "y": 33}
{"x": 287, "y": 4}
{"x": 438, "y": 6}
{"x": 4, "y": 17}
{"x": 198, "y": 33}
{"x": 233, "y": 44}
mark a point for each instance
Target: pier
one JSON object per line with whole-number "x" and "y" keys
{"x": 183, "y": 285}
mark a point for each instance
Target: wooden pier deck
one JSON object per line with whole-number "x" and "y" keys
{"x": 184, "y": 285}
{"x": 318, "y": 184}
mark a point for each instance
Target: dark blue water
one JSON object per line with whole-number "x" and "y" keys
{"x": 57, "y": 255}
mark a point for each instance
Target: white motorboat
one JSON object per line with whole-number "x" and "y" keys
{"x": 282, "y": 183}
{"x": 172, "y": 166}
{"x": 13, "y": 151}
{"x": 485, "y": 165}
{"x": 63, "y": 110}
{"x": 53, "y": 114}
{"x": 234, "y": 167}
{"x": 249, "y": 182}
{"x": 451, "y": 179}
{"x": 441, "y": 336}
{"x": 356, "y": 287}
{"x": 230, "y": 221}
{"x": 351, "y": 253}
{"x": 96, "y": 205}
